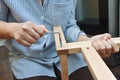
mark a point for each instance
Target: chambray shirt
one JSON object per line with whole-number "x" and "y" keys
{"x": 43, "y": 52}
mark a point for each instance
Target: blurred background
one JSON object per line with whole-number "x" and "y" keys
{"x": 98, "y": 16}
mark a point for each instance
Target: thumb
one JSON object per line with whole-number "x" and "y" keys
{"x": 44, "y": 29}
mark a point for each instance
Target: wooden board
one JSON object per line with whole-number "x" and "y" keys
{"x": 97, "y": 67}
{"x": 63, "y": 58}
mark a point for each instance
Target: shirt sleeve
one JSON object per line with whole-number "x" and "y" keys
{"x": 73, "y": 31}
{"x": 3, "y": 11}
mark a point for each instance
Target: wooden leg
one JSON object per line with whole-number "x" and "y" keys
{"x": 64, "y": 67}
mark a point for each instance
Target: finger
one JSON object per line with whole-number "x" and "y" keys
{"x": 24, "y": 43}
{"x": 22, "y": 35}
{"x": 108, "y": 47}
{"x": 26, "y": 37}
{"x": 94, "y": 44}
{"x": 106, "y": 36}
{"x": 40, "y": 29}
{"x": 115, "y": 48}
{"x": 33, "y": 34}
{"x": 28, "y": 28}
{"x": 20, "y": 40}
{"x": 45, "y": 30}
{"x": 102, "y": 49}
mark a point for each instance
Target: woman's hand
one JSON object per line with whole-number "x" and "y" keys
{"x": 104, "y": 45}
{"x": 27, "y": 33}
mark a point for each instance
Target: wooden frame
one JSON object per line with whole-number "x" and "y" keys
{"x": 96, "y": 65}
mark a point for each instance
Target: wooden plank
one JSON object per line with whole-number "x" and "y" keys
{"x": 57, "y": 37}
{"x": 63, "y": 58}
{"x": 64, "y": 67}
{"x": 75, "y": 47}
{"x": 96, "y": 65}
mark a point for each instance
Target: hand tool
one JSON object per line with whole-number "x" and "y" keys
{"x": 51, "y": 32}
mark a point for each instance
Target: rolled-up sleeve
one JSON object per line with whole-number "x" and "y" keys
{"x": 3, "y": 11}
{"x": 73, "y": 31}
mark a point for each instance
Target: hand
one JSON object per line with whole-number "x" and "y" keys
{"x": 27, "y": 33}
{"x": 104, "y": 45}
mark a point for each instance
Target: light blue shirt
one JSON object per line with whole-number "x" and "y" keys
{"x": 52, "y": 13}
